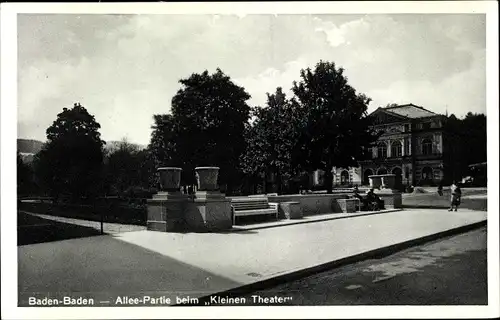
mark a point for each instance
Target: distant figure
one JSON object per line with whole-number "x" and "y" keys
{"x": 356, "y": 193}
{"x": 373, "y": 200}
{"x": 440, "y": 189}
{"x": 456, "y": 195}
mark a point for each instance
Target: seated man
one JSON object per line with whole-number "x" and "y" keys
{"x": 362, "y": 200}
{"x": 374, "y": 201}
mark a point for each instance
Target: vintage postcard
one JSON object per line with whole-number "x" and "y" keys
{"x": 254, "y": 160}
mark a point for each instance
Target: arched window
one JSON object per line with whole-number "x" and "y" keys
{"x": 344, "y": 177}
{"x": 366, "y": 180}
{"x": 382, "y": 150}
{"x": 426, "y": 146}
{"x": 396, "y": 149}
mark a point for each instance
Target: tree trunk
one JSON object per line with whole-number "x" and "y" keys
{"x": 279, "y": 182}
{"x": 264, "y": 183}
{"x": 229, "y": 189}
{"x": 328, "y": 179}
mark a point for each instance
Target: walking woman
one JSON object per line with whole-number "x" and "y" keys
{"x": 456, "y": 195}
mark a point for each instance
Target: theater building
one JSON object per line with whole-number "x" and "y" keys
{"x": 414, "y": 145}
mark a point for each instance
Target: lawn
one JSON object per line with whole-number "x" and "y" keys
{"x": 32, "y": 229}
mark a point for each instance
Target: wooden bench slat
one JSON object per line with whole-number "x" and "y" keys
{"x": 260, "y": 202}
{"x": 254, "y": 212}
{"x": 257, "y": 207}
{"x": 250, "y": 204}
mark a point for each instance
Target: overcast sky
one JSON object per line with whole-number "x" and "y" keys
{"x": 125, "y": 68}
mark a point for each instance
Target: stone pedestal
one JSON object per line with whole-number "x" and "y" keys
{"x": 166, "y": 212}
{"x": 392, "y": 198}
{"x": 348, "y": 205}
{"x": 289, "y": 210}
{"x": 208, "y": 211}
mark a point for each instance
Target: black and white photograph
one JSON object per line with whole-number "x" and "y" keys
{"x": 219, "y": 158}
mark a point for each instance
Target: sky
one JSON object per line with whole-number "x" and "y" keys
{"x": 126, "y": 68}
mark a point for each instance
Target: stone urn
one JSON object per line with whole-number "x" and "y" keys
{"x": 388, "y": 181}
{"x": 170, "y": 178}
{"x": 375, "y": 181}
{"x": 206, "y": 177}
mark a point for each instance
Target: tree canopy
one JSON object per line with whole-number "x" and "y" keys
{"x": 270, "y": 138}
{"x": 71, "y": 160}
{"x": 335, "y": 127}
{"x": 206, "y": 127}
{"x": 473, "y": 127}
{"x": 25, "y": 182}
{"x": 129, "y": 170}
{"x": 163, "y": 139}
{"x": 470, "y": 136}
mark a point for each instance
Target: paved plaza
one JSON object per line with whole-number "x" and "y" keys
{"x": 198, "y": 264}
{"x": 421, "y": 275}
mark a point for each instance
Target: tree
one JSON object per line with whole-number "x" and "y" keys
{"x": 467, "y": 139}
{"x": 25, "y": 179}
{"x": 473, "y": 129}
{"x": 336, "y": 130}
{"x": 162, "y": 144}
{"x": 206, "y": 127}
{"x": 128, "y": 170}
{"x": 71, "y": 160}
{"x": 270, "y": 139}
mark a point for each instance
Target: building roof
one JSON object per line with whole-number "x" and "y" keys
{"x": 410, "y": 111}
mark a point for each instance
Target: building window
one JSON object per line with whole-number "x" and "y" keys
{"x": 426, "y": 147}
{"x": 407, "y": 147}
{"x": 344, "y": 177}
{"x": 396, "y": 149}
{"x": 382, "y": 150}
{"x": 426, "y": 125}
{"x": 407, "y": 128}
{"x": 427, "y": 174}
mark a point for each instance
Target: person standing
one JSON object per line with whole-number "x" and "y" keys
{"x": 456, "y": 195}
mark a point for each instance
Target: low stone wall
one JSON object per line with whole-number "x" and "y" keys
{"x": 311, "y": 204}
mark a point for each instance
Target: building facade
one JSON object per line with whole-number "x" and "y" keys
{"x": 414, "y": 145}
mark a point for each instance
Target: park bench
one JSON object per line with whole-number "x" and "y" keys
{"x": 251, "y": 206}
